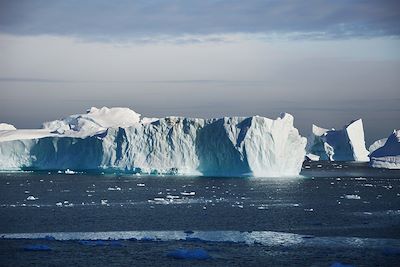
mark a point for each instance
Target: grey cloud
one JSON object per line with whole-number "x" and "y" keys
{"x": 105, "y": 20}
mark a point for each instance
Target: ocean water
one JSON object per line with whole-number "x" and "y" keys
{"x": 333, "y": 213}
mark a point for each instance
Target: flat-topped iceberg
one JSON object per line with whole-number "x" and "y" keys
{"x": 387, "y": 152}
{"x": 347, "y": 144}
{"x": 118, "y": 139}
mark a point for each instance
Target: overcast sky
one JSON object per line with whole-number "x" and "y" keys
{"x": 326, "y": 62}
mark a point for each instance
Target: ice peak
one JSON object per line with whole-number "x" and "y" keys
{"x": 7, "y": 127}
{"x": 345, "y": 144}
{"x": 319, "y": 131}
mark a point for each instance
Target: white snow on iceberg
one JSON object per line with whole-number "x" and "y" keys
{"x": 7, "y": 127}
{"x": 388, "y": 155}
{"x": 95, "y": 121}
{"x": 347, "y": 144}
{"x": 117, "y": 138}
{"x": 377, "y": 144}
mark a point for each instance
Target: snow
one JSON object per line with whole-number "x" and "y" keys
{"x": 388, "y": 155}
{"x": 377, "y": 144}
{"x": 95, "y": 121}
{"x": 347, "y": 144}
{"x": 116, "y": 138}
{"x": 312, "y": 157}
{"x": 7, "y": 127}
{"x": 68, "y": 171}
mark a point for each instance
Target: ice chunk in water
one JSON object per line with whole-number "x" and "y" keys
{"x": 352, "y": 197}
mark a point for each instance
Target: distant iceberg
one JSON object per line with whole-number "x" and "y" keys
{"x": 118, "y": 139}
{"x": 387, "y": 152}
{"x": 347, "y": 144}
{"x": 377, "y": 144}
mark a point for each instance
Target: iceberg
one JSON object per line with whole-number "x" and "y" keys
{"x": 347, "y": 144}
{"x": 388, "y": 155}
{"x": 377, "y": 144}
{"x": 119, "y": 139}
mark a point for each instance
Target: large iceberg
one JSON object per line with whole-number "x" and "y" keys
{"x": 388, "y": 154}
{"x": 347, "y": 144}
{"x": 118, "y": 139}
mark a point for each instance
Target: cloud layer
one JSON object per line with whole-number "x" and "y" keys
{"x": 107, "y": 20}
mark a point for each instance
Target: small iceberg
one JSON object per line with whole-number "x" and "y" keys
{"x": 68, "y": 171}
{"x": 357, "y": 197}
{"x": 115, "y": 188}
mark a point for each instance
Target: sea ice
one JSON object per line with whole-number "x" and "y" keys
{"x": 188, "y": 193}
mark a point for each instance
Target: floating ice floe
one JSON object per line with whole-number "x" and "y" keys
{"x": 68, "y": 171}
{"x": 356, "y": 197}
{"x": 188, "y": 193}
{"x": 115, "y": 188}
{"x": 31, "y": 198}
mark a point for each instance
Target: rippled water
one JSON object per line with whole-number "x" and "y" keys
{"x": 333, "y": 213}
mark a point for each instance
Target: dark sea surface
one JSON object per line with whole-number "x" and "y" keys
{"x": 334, "y": 213}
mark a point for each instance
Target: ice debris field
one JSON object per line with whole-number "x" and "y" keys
{"x": 119, "y": 139}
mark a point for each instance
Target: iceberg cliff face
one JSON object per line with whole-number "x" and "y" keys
{"x": 387, "y": 155}
{"x": 347, "y": 144}
{"x": 118, "y": 139}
